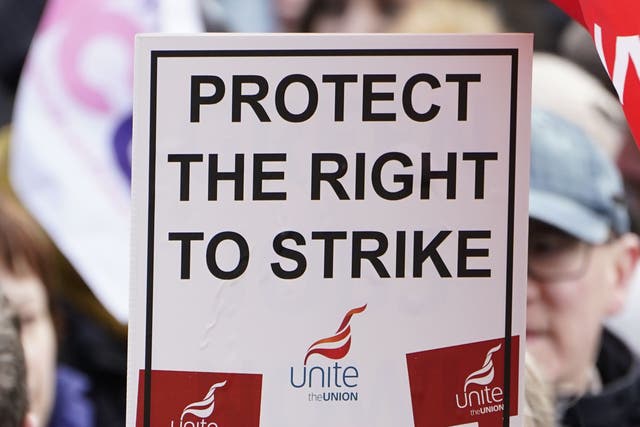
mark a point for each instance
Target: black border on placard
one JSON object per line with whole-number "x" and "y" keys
{"x": 156, "y": 54}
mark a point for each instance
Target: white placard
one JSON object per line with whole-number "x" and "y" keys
{"x": 329, "y": 230}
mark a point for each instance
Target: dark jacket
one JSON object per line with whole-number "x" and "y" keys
{"x": 72, "y": 407}
{"x": 618, "y": 404}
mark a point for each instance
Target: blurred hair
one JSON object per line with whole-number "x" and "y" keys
{"x": 13, "y": 389}
{"x": 314, "y": 8}
{"x": 576, "y": 44}
{"x": 448, "y": 16}
{"x": 538, "y": 398}
{"x": 540, "y": 17}
{"x": 24, "y": 248}
{"x": 337, "y": 7}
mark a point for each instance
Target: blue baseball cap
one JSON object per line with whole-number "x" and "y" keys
{"x": 574, "y": 186}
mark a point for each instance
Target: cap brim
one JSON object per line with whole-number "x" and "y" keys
{"x": 568, "y": 216}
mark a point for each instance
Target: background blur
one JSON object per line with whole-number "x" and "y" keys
{"x": 65, "y": 119}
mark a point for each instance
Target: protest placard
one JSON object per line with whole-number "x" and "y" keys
{"x": 329, "y": 230}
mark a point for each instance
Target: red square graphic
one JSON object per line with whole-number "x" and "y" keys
{"x": 462, "y": 384}
{"x": 190, "y": 399}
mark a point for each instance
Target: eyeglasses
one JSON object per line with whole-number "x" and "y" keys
{"x": 555, "y": 256}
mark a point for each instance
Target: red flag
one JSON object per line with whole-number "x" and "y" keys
{"x": 615, "y": 29}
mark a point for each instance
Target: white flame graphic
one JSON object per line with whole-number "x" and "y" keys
{"x": 484, "y": 375}
{"x": 204, "y": 408}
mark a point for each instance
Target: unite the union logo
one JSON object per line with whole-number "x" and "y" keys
{"x": 201, "y": 410}
{"x": 199, "y": 399}
{"x": 330, "y": 382}
{"x": 464, "y": 384}
{"x": 485, "y": 397}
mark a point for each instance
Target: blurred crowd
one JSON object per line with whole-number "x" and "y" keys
{"x": 583, "y": 304}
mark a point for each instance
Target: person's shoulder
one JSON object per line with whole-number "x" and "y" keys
{"x": 618, "y": 403}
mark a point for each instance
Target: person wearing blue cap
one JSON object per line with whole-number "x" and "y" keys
{"x": 581, "y": 257}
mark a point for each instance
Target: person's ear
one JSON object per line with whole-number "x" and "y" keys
{"x": 627, "y": 254}
{"x": 30, "y": 420}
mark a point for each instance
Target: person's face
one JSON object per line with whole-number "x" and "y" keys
{"x": 572, "y": 287}
{"x": 28, "y": 297}
{"x": 356, "y": 16}
{"x": 289, "y": 12}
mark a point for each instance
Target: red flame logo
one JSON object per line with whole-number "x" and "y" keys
{"x": 342, "y": 336}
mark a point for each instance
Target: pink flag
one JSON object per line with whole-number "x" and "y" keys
{"x": 70, "y": 158}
